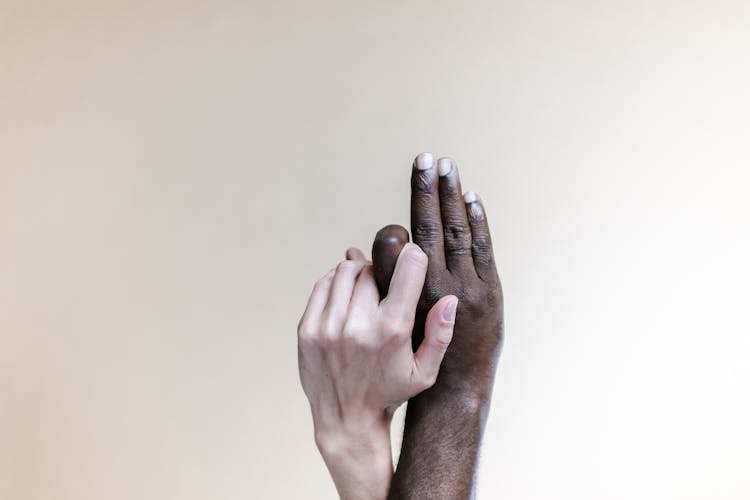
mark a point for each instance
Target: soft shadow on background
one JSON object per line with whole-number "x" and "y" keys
{"x": 174, "y": 175}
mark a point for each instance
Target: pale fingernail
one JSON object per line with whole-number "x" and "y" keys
{"x": 470, "y": 197}
{"x": 411, "y": 247}
{"x": 449, "y": 314}
{"x": 405, "y": 248}
{"x": 445, "y": 165}
{"x": 425, "y": 161}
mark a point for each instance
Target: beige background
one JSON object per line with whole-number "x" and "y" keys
{"x": 174, "y": 175}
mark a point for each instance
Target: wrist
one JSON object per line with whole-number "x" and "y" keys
{"x": 358, "y": 456}
{"x": 465, "y": 399}
{"x": 457, "y": 393}
{"x": 468, "y": 387}
{"x": 356, "y": 444}
{"x": 443, "y": 430}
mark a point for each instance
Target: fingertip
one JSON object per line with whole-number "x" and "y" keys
{"x": 386, "y": 248}
{"x": 392, "y": 234}
{"x": 354, "y": 253}
{"x": 438, "y": 336}
{"x": 424, "y": 161}
{"x": 474, "y": 205}
{"x": 412, "y": 247}
{"x": 414, "y": 254}
{"x": 445, "y": 166}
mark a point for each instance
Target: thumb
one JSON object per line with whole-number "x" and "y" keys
{"x": 438, "y": 332}
{"x": 385, "y": 251}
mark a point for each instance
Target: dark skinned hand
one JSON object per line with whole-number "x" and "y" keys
{"x": 452, "y": 230}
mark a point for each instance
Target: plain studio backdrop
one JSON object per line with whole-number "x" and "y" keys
{"x": 175, "y": 175}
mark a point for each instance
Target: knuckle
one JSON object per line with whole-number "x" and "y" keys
{"x": 398, "y": 329}
{"x": 482, "y": 301}
{"x": 353, "y": 330}
{"x": 457, "y": 238}
{"x": 323, "y": 282}
{"x": 357, "y": 335}
{"x": 422, "y": 182}
{"x": 455, "y": 230}
{"x": 426, "y": 229}
{"x": 346, "y": 266}
{"x": 304, "y": 332}
{"x": 481, "y": 243}
{"x": 443, "y": 339}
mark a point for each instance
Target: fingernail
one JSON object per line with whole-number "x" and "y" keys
{"x": 470, "y": 197}
{"x": 475, "y": 211}
{"x": 411, "y": 247}
{"x": 445, "y": 165}
{"x": 425, "y": 161}
{"x": 449, "y": 314}
{"x": 405, "y": 248}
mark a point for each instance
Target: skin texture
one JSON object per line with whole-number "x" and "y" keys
{"x": 357, "y": 364}
{"x": 444, "y": 424}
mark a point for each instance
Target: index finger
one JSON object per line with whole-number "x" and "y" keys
{"x": 406, "y": 284}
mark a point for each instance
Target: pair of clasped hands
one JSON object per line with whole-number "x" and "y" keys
{"x": 422, "y": 322}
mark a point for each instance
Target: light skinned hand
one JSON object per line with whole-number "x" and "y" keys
{"x": 357, "y": 364}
